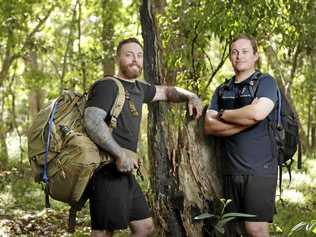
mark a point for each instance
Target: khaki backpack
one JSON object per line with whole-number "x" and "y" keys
{"x": 60, "y": 153}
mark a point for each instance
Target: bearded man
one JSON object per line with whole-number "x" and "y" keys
{"x": 116, "y": 200}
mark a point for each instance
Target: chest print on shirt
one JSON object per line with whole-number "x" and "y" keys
{"x": 243, "y": 90}
{"x": 131, "y": 105}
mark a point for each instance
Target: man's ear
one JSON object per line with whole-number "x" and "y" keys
{"x": 229, "y": 57}
{"x": 257, "y": 57}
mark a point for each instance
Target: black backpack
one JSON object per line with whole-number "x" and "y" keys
{"x": 283, "y": 127}
{"x": 285, "y": 132}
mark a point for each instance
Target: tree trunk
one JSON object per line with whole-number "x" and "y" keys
{"x": 3, "y": 136}
{"x": 309, "y": 120}
{"x": 82, "y": 60}
{"x": 184, "y": 171}
{"x": 107, "y": 38}
{"x": 313, "y": 137}
{"x": 3, "y": 151}
{"x": 36, "y": 94}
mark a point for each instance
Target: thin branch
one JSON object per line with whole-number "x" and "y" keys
{"x": 9, "y": 58}
{"x": 298, "y": 50}
{"x": 196, "y": 35}
{"x": 55, "y": 66}
{"x": 36, "y": 28}
{"x": 275, "y": 61}
{"x": 207, "y": 57}
{"x": 69, "y": 42}
{"x": 81, "y": 59}
{"x": 14, "y": 120}
{"x": 221, "y": 63}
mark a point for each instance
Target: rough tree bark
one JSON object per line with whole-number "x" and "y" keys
{"x": 184, "y": 176}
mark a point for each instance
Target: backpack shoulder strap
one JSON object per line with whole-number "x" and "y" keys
{"x": 118, "y": 102}
{"x": 254, "y": 83}
{"x": 279, "y": 106}
{"x": 142, "y": 82}
{"x": 224, "y": 86}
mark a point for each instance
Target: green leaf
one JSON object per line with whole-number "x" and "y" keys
{"x": 311, "y": 227}
{"x": 298, "y": 227}
{"x": 224, "y": 221}
{"x": 236, "y": 214}
{"x": 220, "y": 229}
{"x": 203, "y": 216}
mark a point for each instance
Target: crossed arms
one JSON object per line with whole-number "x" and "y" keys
{"x": 234, "y": 121}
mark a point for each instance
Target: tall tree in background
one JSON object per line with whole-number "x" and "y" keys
{"x": 109, "y": 9}
{"x": 33, "y": 73}
{"x": 15, "y": 38}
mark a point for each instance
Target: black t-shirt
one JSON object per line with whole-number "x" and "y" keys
{"x": 249, "y": 152}
{"x": 103, "y": 95}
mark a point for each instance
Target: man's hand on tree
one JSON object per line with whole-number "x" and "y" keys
{"x": 195, "y": 106}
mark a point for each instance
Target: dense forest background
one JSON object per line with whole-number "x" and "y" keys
{"x": 49, "y": 46}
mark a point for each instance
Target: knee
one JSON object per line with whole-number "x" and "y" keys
{"x": 101, "y": 233}
{"x": 149, "y": 229}
{"x": 145, "y": 229}
{"x": 257, "y": 230}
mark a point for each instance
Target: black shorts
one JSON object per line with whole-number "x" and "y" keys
{"x": 252, "y": 195}
{"x": 115, "y": 199}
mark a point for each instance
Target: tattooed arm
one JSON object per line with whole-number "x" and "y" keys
{"x": 100, "y": 133}
{"x": 176, "y": 94}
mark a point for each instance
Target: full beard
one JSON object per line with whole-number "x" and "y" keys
{"x": 129, "y": 71}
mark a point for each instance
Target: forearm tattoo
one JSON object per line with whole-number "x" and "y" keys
{"x": 175, "y": 94}
{"x": 99, "y": 131}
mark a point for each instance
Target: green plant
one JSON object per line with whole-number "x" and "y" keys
{"x": 222, "y": 218}
{"x": 308, "y": 227}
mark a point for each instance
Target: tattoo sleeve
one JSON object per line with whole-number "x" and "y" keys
{"x": 99, "y": 131}
{"x": 175, "y": 94}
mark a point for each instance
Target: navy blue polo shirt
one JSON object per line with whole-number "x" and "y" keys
{"x": 249, "y": 152}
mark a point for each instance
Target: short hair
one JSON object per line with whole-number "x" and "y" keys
{"x": 126, "y": 41}
{"x": 252, "y": 40}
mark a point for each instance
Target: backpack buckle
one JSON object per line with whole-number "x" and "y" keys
{"x": 113, "y": 122}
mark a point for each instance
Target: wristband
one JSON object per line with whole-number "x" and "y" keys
{"x": 220, "y": 114}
